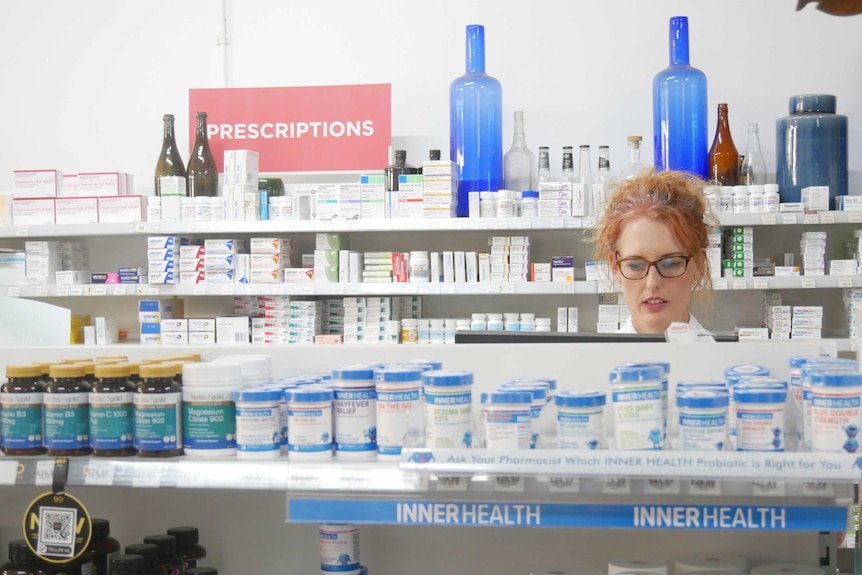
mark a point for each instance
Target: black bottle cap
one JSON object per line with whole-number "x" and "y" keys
{"x": 129, "y": 564}
{"x": 148, "y": 551}
{"x": 167, "y": 544}
{"x": 434, "y": 155}
{"x": 101, "y": 529}
{"x": 186, "y": 536}
{"x": 19, "y": 552}
{"x": 201, "y": 571}
{"x": 400, "y": 155}
{"x": 168, "y": 117}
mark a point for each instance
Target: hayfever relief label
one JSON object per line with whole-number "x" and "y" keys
{"x": 112, "y": 420}
{"x": 638, "y": 416}
{"x": 67, "y": 421}
{"x": 355, "y": 419}
{"x": 21, "y": 420}
{"x": 158, "y": 421}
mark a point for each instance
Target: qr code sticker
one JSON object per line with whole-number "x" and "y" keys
{"x": 57, "y": 529}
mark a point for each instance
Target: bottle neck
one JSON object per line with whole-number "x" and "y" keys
{"x": 169, "y": 131}
{"x": 475, "y": 49}
{"x": 635, "y": 153}
{"x": 584, "y": 161}
{"x": 544, "y": 161}
{"x": 201, "y": 131}
{"x": 753, "y": 143}
{"x": 520, "y": 137}
{"x": 723, "y": 125}
{"x": 679, "y": 41}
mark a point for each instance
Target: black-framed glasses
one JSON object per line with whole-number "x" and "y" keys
{"x": 638, "y": 268}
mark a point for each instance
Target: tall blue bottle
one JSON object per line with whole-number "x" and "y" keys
{"x": 476, "y": 124}
{"x": 679, "y": 109}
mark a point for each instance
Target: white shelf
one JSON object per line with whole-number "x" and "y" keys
{"x": 443, "y": 224}
{"x": 383, "y": 289}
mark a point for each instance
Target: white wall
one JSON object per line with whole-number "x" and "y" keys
{"x": 86, "y": 82}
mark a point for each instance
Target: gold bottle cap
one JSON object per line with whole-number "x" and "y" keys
{"x": 134, "y": 368}
{"x": 23, "y": 370}
{"x": 103, "y": 358}
{"x": 43, "y": 366}
{"x": 59, "y": 370}
{"x": 112, "y": 370}
{"x": 155, "y": 370}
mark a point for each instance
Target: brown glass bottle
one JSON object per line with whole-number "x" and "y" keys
{"x": 169, "y": 163}
{"x": 202, "y": 171}
{"x": 89, "y": 371}
{"x": 22, "y": 561}
{"x": 201, "y": 571}
{"x": 187, "y": 545}
{"x": 135, "y": 373}
{"x": 102, "y": 546}
{"x": 66, "y": 411}
{"x": 112, "y": 414}
{"x": 168, "y": 556}
{"x": 150, "y": 553}
{"x": 21, "y": 411}
{"x": 399, "y": 167}
{"x": 126, "y": 565}
{"x": 158, "y": 412}
{"x": 723, "y": 156}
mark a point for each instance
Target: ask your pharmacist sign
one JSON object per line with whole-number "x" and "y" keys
{"x": 299, "y": 129}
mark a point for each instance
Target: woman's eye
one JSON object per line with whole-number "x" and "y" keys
{"x": 635, "y": 266}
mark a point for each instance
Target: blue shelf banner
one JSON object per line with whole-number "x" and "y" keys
{"x": 608, "y": 516}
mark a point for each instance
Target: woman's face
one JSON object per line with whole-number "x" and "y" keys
{"x": 655, "y": 301}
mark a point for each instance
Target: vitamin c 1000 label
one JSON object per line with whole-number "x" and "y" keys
{"x": 111, "y": 420}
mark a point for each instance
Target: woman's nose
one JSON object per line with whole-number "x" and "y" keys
{"x": 653, "y": 278}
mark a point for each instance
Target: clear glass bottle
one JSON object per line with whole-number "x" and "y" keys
{"x": 635, "y": 167}
{"x": 679, "y": 108}
{"x": 581, "y": 204}
{"x": 476, "y": 124}
{"x": 723, "y": 157}
{"x": 170, "y": 163}
{"x": 202, "y": 170}
{"x": 519, "y": 163}
{"x": 605, "y": 181}
{"x": 544, "y": 164}
{"x": 753, "y": 170}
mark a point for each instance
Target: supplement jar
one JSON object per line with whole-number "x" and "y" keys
{"x": 21, "y": 411}
{"x": 309, "y": 427}
{"x": 539, "y": 406}
{"x": 258, "y": 422}
{"x": 638, "y": 419}
{"x": 66, "y": 411}
{"x": 112, "y": 413}
{"x": 448, "y": 409}
{"x": 702, "y": 419}
{"x": 813, "y": 365}
{"x": 506, "y": 420}
{"x": 580, "y": 417}
{"x": 256, "y": 369}
{"x": 158, "y": 412}
{"x": 836, "y": 403}
{"x": 339, "y": 548}
{"x": 355, "y": 413}
{"x": 759, "y": 416}
{"x": 399, "y": 410}
{"x": 419, "y": 267}
{"x": 811, "y": 148}
{"x": 209, "y": 413}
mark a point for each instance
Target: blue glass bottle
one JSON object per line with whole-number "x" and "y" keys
{"x": 476, "y": 124}
{"x": 679, "y": 109}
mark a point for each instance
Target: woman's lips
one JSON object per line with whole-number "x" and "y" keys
{"x": 655, "y": 304}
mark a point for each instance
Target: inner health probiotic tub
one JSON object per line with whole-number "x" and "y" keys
{"x": 538, "y": 407}
{"x": 638, "y": 420}
{"x": 580, "y": 416}
{"x": 665, "y": 386}
{"x": 400, "y": 417}
{"x": 339, "y": 548}
{"x": 257, "y": 422}
{"x": 702, "y": 419}
{"x": 835, "y": 411}
{"x": 448, "y": 409}
{"x": 506, "y": 420}
{"x": 309, "y": 428}
{"x": 355, "y": 413}
{"x": 808, "y": 368}
{"x": 760, "y": 416}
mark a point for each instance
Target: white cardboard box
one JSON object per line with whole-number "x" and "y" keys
{"x": 232, "y": 330}
{"x": 121, "y": 209}
{"x": 33, "y": 211}
{"x": 37, "y": 183}
{"x": 76, "y": 210}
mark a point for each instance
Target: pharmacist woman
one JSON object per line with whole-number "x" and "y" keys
{"x": 653, "y": 234}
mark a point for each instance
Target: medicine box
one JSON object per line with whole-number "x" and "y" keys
{"x": 37, "y": 183}
{"x": 33, "y": 211}
{"x": 232, "y": 330}
{"x": 121, "y": 209}
{"x": 155, "y": 310}
{"x": 76, "y": 210}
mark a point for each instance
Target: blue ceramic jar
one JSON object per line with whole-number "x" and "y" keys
{"x": 811, "y": 148}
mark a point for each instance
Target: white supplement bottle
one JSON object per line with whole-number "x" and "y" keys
{"x": 450, "y": 326}
{"x": 400, "y": 415}
{"x": 636, "y": 394}
{"x": 209, "y": 412}
{"x": 448, "y": 409}
{"x": 511, "y": 322}
{"x": 506, "y": 420}
{"x": 495, "y": 322}
{"x": 740, "y": 199}
{"x": 488, "y": 204}
{"x": 580, "y": 417}
{"x": 528, "y": 322}
{"x": 424, "y": 331}
{"x": 836, "y": 397}
{"x": 771, "y": 199}
{"x": 505, "y": 204}
{"x": 725, "y": 199}
{"x": 187, "y": 209}
{"x": 437, "y": 333}
{"x": 309, "y": 427}
{"x": 759, "y": 416}
{"x": 478, "y": 322}
{"x": 409, "y": 330}
{"x": 154, "y": 209}
{"x": 702, "y": 419}
{"x": 543, "y": 324}
{"x": 530, "y": 204}
{"x": 538, "y": 391}
{"x": 420, "y": 267}
{"x": 355, "y": 413}
{"x": 258, "y": 422}
{"x": 755, "y": 199}
{"x": 339, "y": 549}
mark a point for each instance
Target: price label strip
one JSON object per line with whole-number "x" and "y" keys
{"x": 57, "y": 526}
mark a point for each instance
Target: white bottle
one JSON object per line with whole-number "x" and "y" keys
{"x": 478, "y": 322}
{"x": 495, "y": 322}
{"x": 713, "y": 198}
{"x": 726, "y": 199}
{"x": 755, "y": 199}
{"x": 740, "y": 199}
{"x": 487, "y": 204}
{"x": 505, "y": 204}
{"x": 419, "y": 267}
{"x": 529, "y": 204}
{"x": 771, "y": 199}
